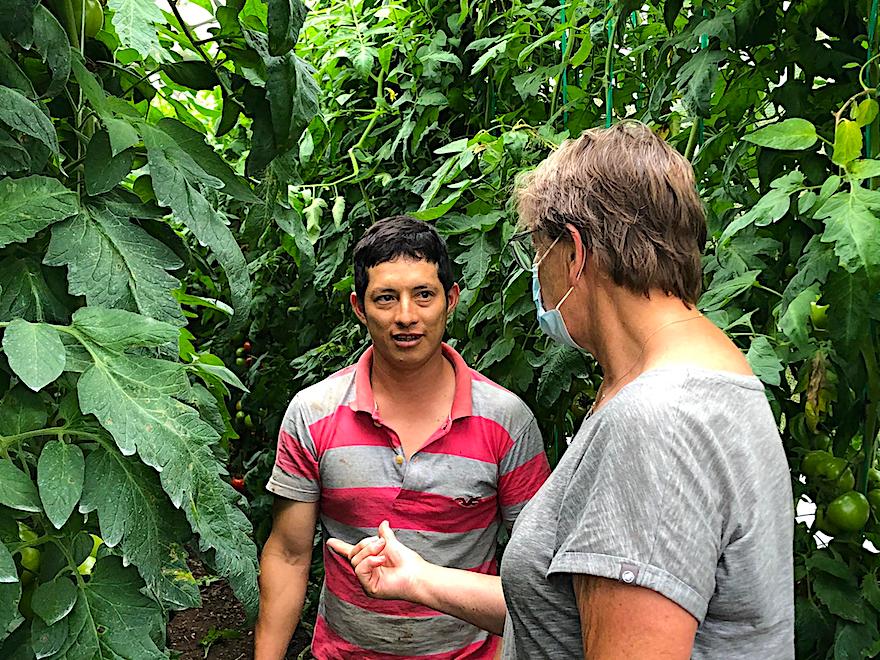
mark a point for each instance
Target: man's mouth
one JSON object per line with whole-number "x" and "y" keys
{"x": 406, "y": 339}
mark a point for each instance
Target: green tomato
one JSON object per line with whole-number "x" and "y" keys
{"x": 819, "y": 315}
{"x": 845, "y": 482}
{"x": 822, "y": 441}
{"x": 874, "y": 500}
{"x": 874, "y": 476}
{"x": 849, "y": 512}
{"x": 823, "y": 524}
{"x": 832, "y": 469}
{"x": 30, "y": 559}
{"x": 94, "y": 16}
{"x": 239, "y": 362}
{"x": 248, "y": 422}
{"x": 812, "y": 462}
{"x": 239, "y": 416}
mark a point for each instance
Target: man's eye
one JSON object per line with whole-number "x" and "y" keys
{"x": 425, "y": 294}
{"x": 384, "y": 298}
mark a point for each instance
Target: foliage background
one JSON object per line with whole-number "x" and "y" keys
{"x": 178, "y": 174}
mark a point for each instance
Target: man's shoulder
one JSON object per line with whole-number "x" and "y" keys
{"x": 494, "y": 401}
{"x": 324, "y": 397}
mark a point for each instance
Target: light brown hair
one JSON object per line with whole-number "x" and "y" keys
{"x": 633, "y": 199}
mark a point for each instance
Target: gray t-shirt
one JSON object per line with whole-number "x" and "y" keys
{"x": 678, "y": 484}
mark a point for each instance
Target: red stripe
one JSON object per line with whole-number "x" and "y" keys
{"x": 295, "y": 459}
{"x": 406, "y": 509}
{"x": 479, "y": 438}
{"x": 522, "y": 482}
{"x": 327, "y": 645}
{"x": 341, "y": 580}
{"x": 347, "y": 428}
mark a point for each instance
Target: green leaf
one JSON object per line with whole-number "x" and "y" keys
{"x": 769, "y": 209}
{"x": 47, "y": 640}
{"x": 117, "y": 329}
{"x": 10, "y": 594}
{"x": 671, "y": 9}
{"x": 138, "y": 521}
{"x": 720, "y": 294}
{"x": 171, "y": 181}
{"x": 849, "y": 298}
{"x": 17, "y": 491}
{"x": 54, "y": 600}
{"x": 135, "y": 403}
{"x": 122, "y": 134}
{"x": 293, "y": 98}
{"x": 794, "y": 321}
{"x": 111, "y": 618}
{"x": 22, "y": 114}
{"x": 25, "y": 293}
{"x": 13, "y": 156}
{"x": 134, "y": 21}
{"x": 488, "y": 56}
{"x": 871, "y": 590}
{"x": 697, "y": 80}
{"x": 290, "y": 221}
{"x": 854, "y": 639}
{"x": 853, "y": 228}
{"x": 499, "y": 350}
{"x": 841, "y": 597}
{"x": 103, "y": 171}
{"x": 7, "y": 566}
{"x": 791, "y": 134}
{"x": 476, "y": 261}
{"x": 284, "y": 21}
{"x": 194, "y": 144}
{"x": 195, "y": 74}
{"x": 363, "y": 62}
{"x": 30, "y": 204}
{"x": 338, "y": 211}
{"x": 764, "y": 361}
{"x": 50, "y": 41}
{"x": 60, "y": 480}
{"x": 35, "y": 352}
{"x": 847, "y": 142}
{"x": 116, "y": 263}
{"x": 865, "y": 112}
{"x": 88, "y": 84}
{"x": 21, "y": 411}
{"x": 864, "y": 168}
{"x": 560, "y": 366}
{"x": 438, "y": 211}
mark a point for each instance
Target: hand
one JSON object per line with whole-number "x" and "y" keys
{"x": 385, "y": 567}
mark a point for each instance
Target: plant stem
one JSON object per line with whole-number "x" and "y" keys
{"x": 692, "y": 140}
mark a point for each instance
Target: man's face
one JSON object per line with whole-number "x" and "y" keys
{"x": 405, "y": 310}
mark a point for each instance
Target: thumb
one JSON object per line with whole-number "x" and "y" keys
{"x": 386, "y": 534}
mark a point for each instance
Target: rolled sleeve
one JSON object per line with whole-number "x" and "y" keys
{"x": 296, "y": 474}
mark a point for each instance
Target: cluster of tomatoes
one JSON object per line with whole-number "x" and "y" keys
{"x": 243, "y": 357}
{"x": 848, "y": 510}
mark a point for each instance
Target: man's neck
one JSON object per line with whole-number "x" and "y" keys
{"x": 413, "y": 386}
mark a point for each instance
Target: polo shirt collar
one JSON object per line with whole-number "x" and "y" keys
{"x": 462, "y": 401}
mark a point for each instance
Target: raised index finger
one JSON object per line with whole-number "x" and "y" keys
{"x": 340, "y": 547}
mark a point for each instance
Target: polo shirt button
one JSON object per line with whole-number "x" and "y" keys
{"x": 398, "y": 459}
{"x": 376, "y": 424}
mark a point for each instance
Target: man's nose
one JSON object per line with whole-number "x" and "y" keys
{"x": 406, "y": 312}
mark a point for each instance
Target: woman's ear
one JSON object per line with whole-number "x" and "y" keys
{"x": 579, "y": 255}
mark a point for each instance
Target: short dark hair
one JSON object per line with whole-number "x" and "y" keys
{"x": 400, "y": 236}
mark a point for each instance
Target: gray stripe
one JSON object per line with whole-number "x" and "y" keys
{"x": 464, "y": 550}
{"x": 321, "y": 399}
{"x": 510, "y": 412}
{"x": 293, "y": 487}
{"x": 374, "y": 467}
{"x": 399, "y": 635}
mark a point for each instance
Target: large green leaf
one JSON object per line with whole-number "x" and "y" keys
{"x": 476, "y": 261}
{"x": 117, "y": 329}
{"x": 25, "y": 292}
{"x": 793, "y": 322}
{"x": 10, "y": 594}
{"x": 847, "y": 142}
{"x": 111, "y": 619}
{"x": 285, "y": 19}
{"x": 21, "y": 411}
{"x": 850, "y": 308}
{"x": 697, "y": 80}
{"x": 793, "y": 133}
{"x": 172, "y": 183}
{"x": 50, "y": 40}
{"x": 764, "y": 362}
{"x": 293, "y": 98}
{"x": 13, "y": 156}
{"x": 135, "y": 21}
{"x": 7, "y": 566}
{"x": 561, "y": 364}
{"x": 103, "y": 170}
{"x": 135, "y": 404}
{"x": 54, "y": 600}
{"x": 35, "y": 352}
{"x": 194, "y": 144}
{"x": 115, "y": 263}
{"x": 60, "y": 480}
{"x": 137, "y": 519}
{"x": 31, "y": 204}
{"x": 22, "y": 114}
{"x": 718, "y": 295}
{"x": 17, "y": 490}
{"x": 853, "y": 228}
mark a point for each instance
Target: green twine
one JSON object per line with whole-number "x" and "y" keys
{"x": 564, "y": 67}
{"x": 872, "y": 30}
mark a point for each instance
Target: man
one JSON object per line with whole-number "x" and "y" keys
{"x": 409, "y": 434}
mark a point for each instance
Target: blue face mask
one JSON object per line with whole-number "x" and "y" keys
{"x": 550, "y": 321}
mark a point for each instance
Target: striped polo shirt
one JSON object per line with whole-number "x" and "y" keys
{"x": 446, "y": 501}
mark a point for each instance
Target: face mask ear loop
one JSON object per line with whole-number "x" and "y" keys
{"x": 571, "y": 289}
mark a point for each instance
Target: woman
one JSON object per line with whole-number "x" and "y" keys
{"x": 666, "y": 529}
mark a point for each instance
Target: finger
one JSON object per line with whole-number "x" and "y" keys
{"x": 386, "y": 533}
{"x": 369, "y": 550}
{"x": 370, "y": 564}
{"x": 363, "y": 543}
{"x": 340, "y": 547}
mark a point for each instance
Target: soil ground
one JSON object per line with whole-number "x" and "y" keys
{"x": 221, "y": 617}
